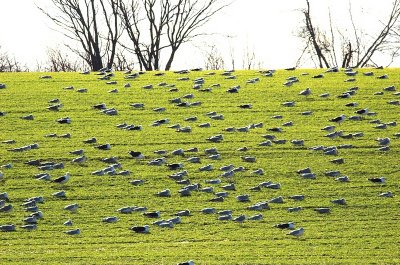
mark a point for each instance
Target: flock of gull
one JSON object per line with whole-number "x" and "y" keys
{"x": 219, "y": 187}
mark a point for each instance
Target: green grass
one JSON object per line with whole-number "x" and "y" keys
{"x": 364, "y": 231}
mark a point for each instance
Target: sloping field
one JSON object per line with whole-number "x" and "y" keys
{"x": 363, "y": 230}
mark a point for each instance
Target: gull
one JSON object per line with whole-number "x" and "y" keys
{"x": 383, "y": 141}
{"x": 68, "y": 223}
{"x": 100, "y": 106}
{"x": 110, "y": 219}
{"x": 388, "y": 194}
{"x": 90, "y": 141}
{"x": 332, "y": 173}
{"x": 213, "y": 181}
{"x": 65, "y": 120}
{"x": 28, "y": 117}
{"x": 289, "y": 225}
{"x": 217, "y": 199}
{"x": 207, "y": 189}
{"x": 194, "y": 159}
{"x": 124, "y": 173}
{"x": 164, "y": 193}
{"x": 208, "y": 210}
{"x": 276, "y": 200}
{"x": 304, "y": 170}
{"x": 157, "y": 161}
{"x": 287, "y": 124}
{"x": 297, "y": 142}
{"x": 259, "y": 172}
{"x": 215, "y": 157}
{"x": 73, "y": 232}
{"x": 208, "y": 167}
{"x": 240, "y": 219}
{"x": 337, "y": 161}
{"x": 179, "y": 151}
{"x": 259, "y": 206}
{"x": 225, "y": 217}
{"x": 7, "y": 228}
{"x": 305, "y": 92}
{"x": 225, "y": 212}
{"x": 29, "y": 227}
{"x": 183, "y": 213}
{"x": 155, "y": 214}
{"x": 126, "y": 210}
{"x": 185, "y": 192}
{"x": 175, "y": 220}
{"x": 212, "y": 150}
{"x": 79, "y": 160}
{"x": 256, "y": 217}
{"x": 338, "y": 119}
{"x": 4, "y": 196}
{"x": 243, "y": 149}
{"x": 343, "y": 179}
{"x": 77, "y": 152}
{"x": 63, "y": 179}
{"x": 289, "y": 104}
{"x": 221, "y": 194}
{"x": 216, "y": 138}
{"x": 362, "y": 111}
{"x": 230, "y": 186}
{"x": 243, "y": 198}
{"x": 249, "y": 159}
{"x": 175, "y": 166}
{"x": 322, "y": 210}
{"x": 341, "y": 201}
{"x": 6, "y": 208}
{"x": 72, "y": 207}
{"x": 106, "y": 146}
{"x": 297, "y": 233}
{"x": 308, "y": 175}
{"x": 59, "y": 194}
{"x": 390, "y": 88}
{"x": 137, "y": 105}
{"x": 246, "y": 106}
{"x": 294, "y": 209}
{"x": 380, "y": 180}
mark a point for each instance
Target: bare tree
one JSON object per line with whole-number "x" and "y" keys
{"x": 213, "y": 58}
{"x": 167, "y": 24}
{"x": 82, "y": 20}
{"x": 357, "y": 47}
{"x": 10, "y": 64}
{"x": 57, "y": 61}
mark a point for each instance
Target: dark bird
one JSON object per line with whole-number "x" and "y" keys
{"x": 136, "y": 154}
{"x": 338, "y": 119}
{"x": 65, "y": 120}
{"x": 106, "y": 146}
{"x": 289, "y": 225}
{"x": 90, "y": 141}
{"x": 155, "y": 214}
{"x": 380, "y": 180}
{"x": 141, "y": 229}
{"x": 62, "y": 179}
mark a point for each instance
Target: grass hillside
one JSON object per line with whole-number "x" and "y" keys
{"x": 363, "y": 231}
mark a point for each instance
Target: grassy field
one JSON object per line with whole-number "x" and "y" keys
{"x": 364, "y": 231}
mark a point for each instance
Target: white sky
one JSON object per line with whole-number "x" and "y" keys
{"x": 266, "y": 27}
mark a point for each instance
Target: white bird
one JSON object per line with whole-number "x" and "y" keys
{"x": 388, "y": 194}
{"x": 72, "y": 207}
{"x": 297, "y": 232}
{"x": 79, "y": 159}
{"x": 110, "y": 219}
{"x": 73, "y": 232}
{"x": 305, "y": 92}
{"x": 63, "y": 179}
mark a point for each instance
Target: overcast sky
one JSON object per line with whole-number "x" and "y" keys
{"x": 263, "y": 26}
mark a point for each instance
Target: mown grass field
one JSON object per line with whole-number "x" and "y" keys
{"x": 364, "y": 231}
